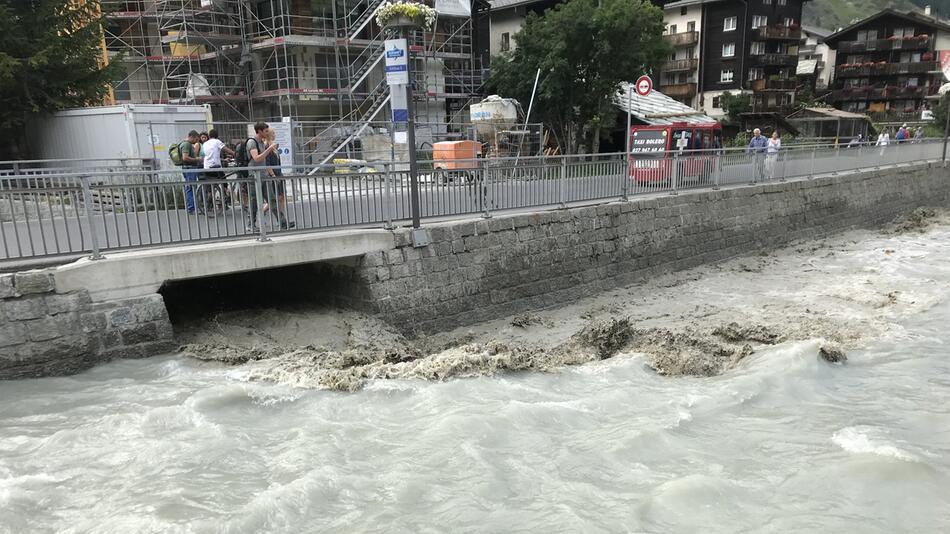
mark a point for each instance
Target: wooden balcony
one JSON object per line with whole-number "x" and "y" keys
{"x": 775, "y": 60}
{"x": 778, "y": 33}
{"x": 885, "y": 69}
{"x": 682, "y": 38}
{"x": 773, "y": 85}
{"x": 679, "y": 90}
{"x": 921, "y": 42}
{"x": 681, "y": 65}
{"x": 889, "y": 92}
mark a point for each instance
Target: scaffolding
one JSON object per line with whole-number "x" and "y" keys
{"x": 315, "y": 61}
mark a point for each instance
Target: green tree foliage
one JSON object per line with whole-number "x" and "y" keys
{"x": 50, "y": 53}
{"x": 735, "y": 105}
{"x": 940, "y": 109}
{"x": 584, "y": 49}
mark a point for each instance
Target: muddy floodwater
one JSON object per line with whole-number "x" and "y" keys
{"x": 807, "y": 390}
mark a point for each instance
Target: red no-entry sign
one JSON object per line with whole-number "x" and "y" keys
{"x": 644, "y": 85}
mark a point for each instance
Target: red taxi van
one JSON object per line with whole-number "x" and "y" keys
{"x": 652, "y": 149}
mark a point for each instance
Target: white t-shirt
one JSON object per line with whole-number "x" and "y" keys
{"x": 774, "y": 145}
{"x": 212, "y": 149}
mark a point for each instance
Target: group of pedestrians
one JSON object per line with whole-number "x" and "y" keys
{"x": 765, "y": 155}
{"x": 205, "y": 150}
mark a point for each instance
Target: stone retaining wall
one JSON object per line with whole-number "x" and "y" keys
{"x": 479, "y": 270}
{"x": 45, "y": 333}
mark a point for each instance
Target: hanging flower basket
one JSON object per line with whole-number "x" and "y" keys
{"x": 393, "y": 14}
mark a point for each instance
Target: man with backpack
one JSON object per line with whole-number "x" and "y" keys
{"x": 185, "y": 154}
{"x": 253, "y": 153}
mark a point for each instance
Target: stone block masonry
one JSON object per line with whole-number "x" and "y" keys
{"x": 44, "y": 333}
{"x": 479, "y": 270}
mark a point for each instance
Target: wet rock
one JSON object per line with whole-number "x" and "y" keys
{"x": 832, "y": 354}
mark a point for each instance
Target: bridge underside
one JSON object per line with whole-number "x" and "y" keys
{"x": 138, "y": 273}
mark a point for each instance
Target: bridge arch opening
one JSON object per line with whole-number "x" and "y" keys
{"x": 328, "y": 284}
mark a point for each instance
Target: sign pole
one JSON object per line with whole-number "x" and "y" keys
{"x": 946, "y": 128}
{"x": 411, "y": 138}
{"x": 629, "y": 104}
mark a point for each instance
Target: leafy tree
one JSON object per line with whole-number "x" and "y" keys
{"x": 940, "y": 110}
{"x": 50, "y": 59}
{"x": 585, "y": 49}
{"x": 735, "y": 105}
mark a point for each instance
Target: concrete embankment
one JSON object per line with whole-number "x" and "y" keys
{"x": 477, "y": 270}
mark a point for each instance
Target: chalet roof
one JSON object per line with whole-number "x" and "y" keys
{"x": 820, "y": 33}
{"x": 657, "y": 108}
{"x": 912, "y": 16}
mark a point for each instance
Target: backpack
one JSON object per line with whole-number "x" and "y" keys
{"x": 243, "y": 157}
{"x": 174, "y": 154}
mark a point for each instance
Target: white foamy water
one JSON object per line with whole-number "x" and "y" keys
{"x": 783, "y": 442}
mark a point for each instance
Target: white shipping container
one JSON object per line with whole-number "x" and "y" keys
{"x": 140, "y": 132}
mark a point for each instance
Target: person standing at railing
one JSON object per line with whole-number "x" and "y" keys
{"x": 189, "y": 162}
{"x": 771, "y": 154}
{"x": 757, "y": 147}
{"x": 257, "y": 152}
{"x": 883, "y": 139}
{"x": 212, "y": 149}
{"x": 919, "y": 134}
{"x": 275, "y": 194}
{"x": 901, "y": 134}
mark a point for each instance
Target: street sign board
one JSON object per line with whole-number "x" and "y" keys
{"x": 396, "y": 53}
{"x": 284, "y": 137}
{"x": 399, "y": 103}
{"x": 644, "y": 85}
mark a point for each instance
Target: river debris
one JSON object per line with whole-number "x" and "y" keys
{"x": 918, "y": 221}
{"x": 607, "y": 336}
{"x": 757, "y": 333}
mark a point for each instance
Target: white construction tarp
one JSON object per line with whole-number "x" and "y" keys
{"x": 453, "y": 8}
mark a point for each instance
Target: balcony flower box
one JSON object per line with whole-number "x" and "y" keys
{"x": 395, "y": 14}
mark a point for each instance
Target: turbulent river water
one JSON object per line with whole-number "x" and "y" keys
{"x": 774, "y": 439}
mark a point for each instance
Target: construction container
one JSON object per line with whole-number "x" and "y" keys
{"x": 136, "y": 132}
{"x": 456, "y": 155}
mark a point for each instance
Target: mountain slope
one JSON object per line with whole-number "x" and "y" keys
{"x": 832, "y": 14}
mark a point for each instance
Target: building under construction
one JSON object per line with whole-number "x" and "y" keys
{"x": 318, "y": 62}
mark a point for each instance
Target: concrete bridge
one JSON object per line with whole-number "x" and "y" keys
{"x": 66, "y": 318}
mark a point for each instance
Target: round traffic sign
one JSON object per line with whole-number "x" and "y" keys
{"x": 644, "y": 85}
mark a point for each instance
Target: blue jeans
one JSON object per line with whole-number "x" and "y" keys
{"x": 190, "y": 176}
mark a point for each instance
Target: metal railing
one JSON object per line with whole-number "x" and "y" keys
{"x": 91, "y": 211}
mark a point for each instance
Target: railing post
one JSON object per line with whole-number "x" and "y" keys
{"x": 388, "y": 196}
{"x": 259, "y": 190}
{"x": 717, "y": 171}
{"x": 625, "y": 168}
{"x": 482, "y": 193}
{"x": 675, "y": 175}
{"x": 560, "y": 184}
{"x": 87, "y": 205}
{"x": 811, "y": 174}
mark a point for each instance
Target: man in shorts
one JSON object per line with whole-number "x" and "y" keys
{"x": 257, "y": 151}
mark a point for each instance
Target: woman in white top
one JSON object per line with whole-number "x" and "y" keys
{"x": 771, "y": 154}
{"x": 883, "y": 138}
